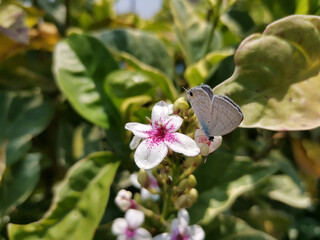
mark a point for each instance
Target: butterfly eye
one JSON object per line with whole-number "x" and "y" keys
{"x": 191, "y": 94}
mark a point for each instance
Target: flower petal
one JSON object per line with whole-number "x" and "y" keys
{"x": 142, "y": 234}
{"x": 123, "y": 199}
{"x": 181, "y": 143}
{"x": 119, "y": 226}
{"x": 173, "y": 123}
{"x": 134, "y": 218}
{"x": 135, "y": 142}
{"x": 170, "y": 106}
{"x": 183, "y": 218}
{"x": 150, "y": 153}
{"x": 134, "y": 180}
{"x": 145, "y": 194}
{"x": 174, "y": 225}
{"x": 138, "y": 129}
{"x": 122, "y": 237}
{"x": 195, "y": 232}
{"x": 206, "y": 146}
{"x": 160, "y": 113}
{"x": 215, "y": 143}
{"x": 163, "y": 236}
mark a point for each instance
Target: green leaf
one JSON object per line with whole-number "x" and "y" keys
{"x": 225, "y": 227}
{"x": 79, "y": 202}
{"x": 81, "y": 65}
{"x": 222, "y": 180}
{"x": 124, "y": 83}
{"x": 144, "y": 46}
{"x": 192, "y": 32}
{"x": 159, "y": 78}
{"x": 197, "y": 73}
{"x": 276, "y": 81}
{"x": 19, "y": 181}
{"x": 23, "y": 116}
{"x": 283, "y": 189}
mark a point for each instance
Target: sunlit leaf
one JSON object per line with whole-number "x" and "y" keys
{"x": 19, "y": 181}
{"x": 79, "y": 202}
{"x": 197, "y": 73}
{"x": 222, "y": 179}
{"x": 276, "y": 80}
{"x": 283, "y": 189}
{"x": 124, "y": 83}
{"x": 22, "y": 117}
{"x": 144, "y": 46}
{"x": 81, "y": 65}
{"x": 192, "y": 32}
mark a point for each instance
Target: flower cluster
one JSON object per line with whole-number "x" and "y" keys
{"x": 129, "y": 228}
{"x": 169, "y": 188}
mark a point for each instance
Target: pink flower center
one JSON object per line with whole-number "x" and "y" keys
{"x": 130, "y": 233}
{"x": 160, "y": 132}
{"x": 176, "y": 235}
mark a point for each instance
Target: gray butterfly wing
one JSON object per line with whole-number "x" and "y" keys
{"x": 202, "y": 104}
{"x": 225, "y": 116}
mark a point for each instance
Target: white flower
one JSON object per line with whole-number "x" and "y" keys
{"x": 123, "y": 199}
{"x": 206, "y": 146}
{"x": 145, "y": 193}
{"x": 159, "y": 136}
{"x": 128, "y": 228}
{"x": 181, "y": 230}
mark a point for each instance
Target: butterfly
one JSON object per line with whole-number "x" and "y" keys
{"x": 218, "y": 115}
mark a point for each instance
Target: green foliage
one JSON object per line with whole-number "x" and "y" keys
{"x": 285, "y": 60}
{"x": 73, "y": 73}
{"x": 87, "y": 183}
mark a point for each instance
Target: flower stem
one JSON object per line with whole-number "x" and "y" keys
{"x": 153, "y": 215}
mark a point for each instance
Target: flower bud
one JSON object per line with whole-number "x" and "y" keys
{"x": 193, "y": 193}
{"x": 180, "y": 105}
{"x": 182, "y": 186}
{"x": 192, "y": 180}
{"x": 184, "y": 201}
{"x": 123, "y": 199}
{"x": 143, "y": 178}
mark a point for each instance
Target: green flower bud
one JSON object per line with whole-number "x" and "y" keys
{"x": 180, "y": 105}
{"x": 184, "y": 201}
{"x": 143, "y": 178}
{"x": 182, "y": 186}
{"x": 192, "y": 161}
{"x": 192, "y": 180}
{"x": 193, "y": 193}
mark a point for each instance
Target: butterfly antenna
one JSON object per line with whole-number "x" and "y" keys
{"x": 185, "y": 89}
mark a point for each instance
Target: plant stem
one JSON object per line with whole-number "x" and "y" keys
{"x": 216, "y": 16}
